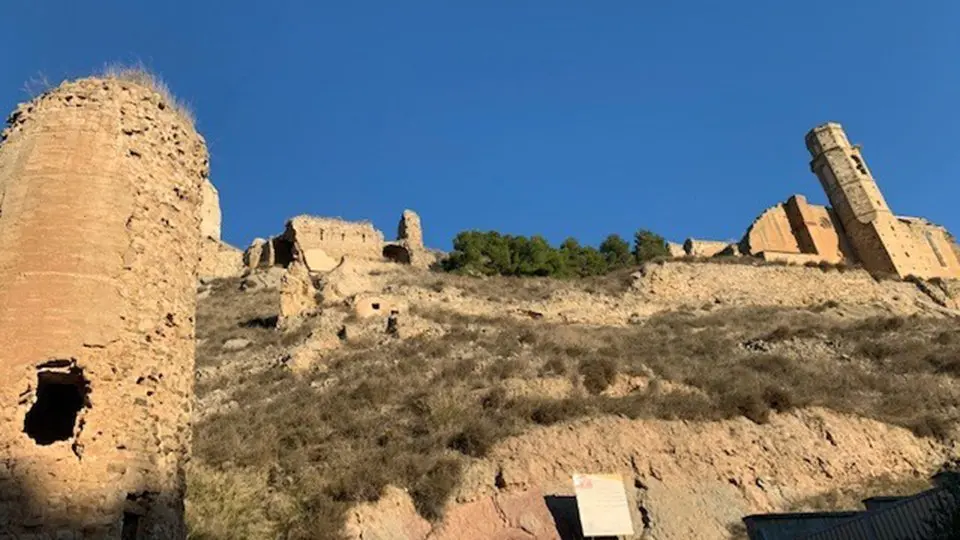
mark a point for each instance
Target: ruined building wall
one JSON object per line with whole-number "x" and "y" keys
{"x": 703, "y": 248}
{"x": 797, "y": 231}
{"x": 817, "y": 230}
{"x": 210, "y": 215}
{"x": 934, "y": 247}
{"x": 410, "y": 230}
{"x": 316, "y": 239}
{"x": 217, "y": 258}
{"x": 99, "y": 234}
{"x": 882, "y": 243}
{"x": 410, "y": 242}
{"x": 770, "y": 232}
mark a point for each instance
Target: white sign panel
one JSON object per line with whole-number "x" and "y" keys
{"x": 602, "y": 504}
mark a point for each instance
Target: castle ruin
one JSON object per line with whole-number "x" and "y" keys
{"x": 100, "y": 190}
{"x": 858, "y": 228}
{"x": 322, "y": 243}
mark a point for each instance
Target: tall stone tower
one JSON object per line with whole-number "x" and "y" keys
{"x": 100, "y": 190}
{"x": 881, "y": 243}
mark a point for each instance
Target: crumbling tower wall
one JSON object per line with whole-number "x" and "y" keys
{"x": 409, "y": 246}
{"x": 99, "y": 235}
{"x": 881, "y": 241}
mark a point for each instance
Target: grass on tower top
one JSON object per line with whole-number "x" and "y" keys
{"x": 140, "y": 75}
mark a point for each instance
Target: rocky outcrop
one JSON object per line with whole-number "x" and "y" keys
{"x": 508, "y": 516}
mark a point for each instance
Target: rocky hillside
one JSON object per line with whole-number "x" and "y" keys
{"x": 416, "y": 404}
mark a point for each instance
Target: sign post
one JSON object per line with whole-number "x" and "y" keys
{"x": 602, "y": 505}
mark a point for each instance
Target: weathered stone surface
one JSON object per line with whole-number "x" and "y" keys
{"x": 99, "y": 243}
{"x": 675, "y": 249}
{"x": 507, "y": 516}
{"x": 317, "y": 260}
{"x": 693, "y": 284}
{"x": 883, "y": 243}
{"x": 323, "y": 243}
{"x": 335, "y": 237}
{"x": 799, "y": 232}
{"x": 210, "y": 211}
{"x": 703, "y": 248}
{"x": 253, "y": 253}
{"x": 377, "y": 305}
{"x": 297, "y": 295}
{"x": 219, "y": 260}
{"x": 235, "y": 344}
{"x": 409, "y": 230}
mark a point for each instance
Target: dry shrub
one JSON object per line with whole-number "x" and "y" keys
{"x": 598, "y": 373}
{"x": 850, "y": 497}
{"x": 227, "y": 504}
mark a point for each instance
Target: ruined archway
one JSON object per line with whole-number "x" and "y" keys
{"x": 397, "y": 254}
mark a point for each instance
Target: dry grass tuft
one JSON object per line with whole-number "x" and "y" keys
{"x": 140, "y": 75}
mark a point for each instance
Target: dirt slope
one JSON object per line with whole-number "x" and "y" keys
{"x": 480, "y": 398}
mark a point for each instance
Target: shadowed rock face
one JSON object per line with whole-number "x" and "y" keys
{"x": 99, "y": 232}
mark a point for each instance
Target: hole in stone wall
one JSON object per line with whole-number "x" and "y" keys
{"x": 133, "y": 512}
{"x": 397, "y": 254}
{"x": 60, "y": 397}
{"x": 282, "y": 252}
{"x": 375, "y": 305}
{"x": 859, "y": 164}
{"x": 131, "y": 526}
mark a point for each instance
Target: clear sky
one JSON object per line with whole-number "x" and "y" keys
{"x": 561, "y": 117}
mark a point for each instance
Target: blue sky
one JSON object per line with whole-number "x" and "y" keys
{"x": 561, "y": 118}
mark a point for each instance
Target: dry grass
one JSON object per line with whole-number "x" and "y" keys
{"x": 139, "y": 74}
{"x": 412, "y": 412}
{"x": 851, "y": 497}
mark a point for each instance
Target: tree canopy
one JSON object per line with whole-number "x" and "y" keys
{"x": 491, "y": 253}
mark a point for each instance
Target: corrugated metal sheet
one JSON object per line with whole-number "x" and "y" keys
{"x": 791, "y": 526}
{"x": 905, "y": 520}
{"x": 879, "y": 503}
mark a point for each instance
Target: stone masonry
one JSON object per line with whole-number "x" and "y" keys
{"x": 797, "y": 231}
{"x": 100, "y": 194}
{"x": 322, "y": 243}
{"x": 881, "y": 241}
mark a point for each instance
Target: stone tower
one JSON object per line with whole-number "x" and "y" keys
{"x": 881, "y": 242}
{"x": 100, "y": 193}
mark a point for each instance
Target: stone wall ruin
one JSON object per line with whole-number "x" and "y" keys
{"x": 882, "y": 242}
{"x": 796, "y": 231}
{"x": 322, "y": 243}
{"x": 99, "y": 242}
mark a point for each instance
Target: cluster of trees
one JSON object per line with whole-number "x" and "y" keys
{"x": 491, "y": 253}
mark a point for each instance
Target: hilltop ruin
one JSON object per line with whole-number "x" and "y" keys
{"x": 858, "y": 229}
{"x": 322, "y": 243}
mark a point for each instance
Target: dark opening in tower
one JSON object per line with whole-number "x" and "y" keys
{"x": 282, "y": 251}
{"x": 396, "y": 253}
{"x": 61, "y": 395}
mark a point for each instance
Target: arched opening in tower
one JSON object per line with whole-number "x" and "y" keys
{"x": 61, "y": 395}
{"x": 395, "y": 253}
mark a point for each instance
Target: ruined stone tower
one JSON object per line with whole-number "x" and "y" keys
{"x": 100, "y": 187}
{"x": 883, "y": 242}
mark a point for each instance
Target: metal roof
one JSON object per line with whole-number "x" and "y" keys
{"x": 908, "y": 519}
